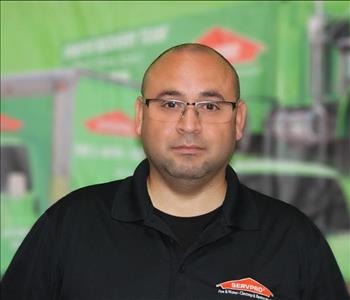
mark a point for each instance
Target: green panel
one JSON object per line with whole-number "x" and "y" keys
{"x": 99, "y": 157}
{"x": 44, "y": 26}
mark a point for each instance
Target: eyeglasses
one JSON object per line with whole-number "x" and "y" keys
{"x": 171, "y": 110}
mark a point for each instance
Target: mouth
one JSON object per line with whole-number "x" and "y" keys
{"x": 188, "y": 149}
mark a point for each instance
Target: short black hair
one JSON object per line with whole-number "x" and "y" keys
{"x": 192, "y": 47}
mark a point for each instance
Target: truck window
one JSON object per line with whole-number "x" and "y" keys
{"x": 14, "y": 161}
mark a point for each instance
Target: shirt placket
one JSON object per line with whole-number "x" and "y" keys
{"x": 177, "y": 284}
{"x": 214, "y": 232}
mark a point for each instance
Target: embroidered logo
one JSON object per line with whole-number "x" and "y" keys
{"x": 245, "y": 287}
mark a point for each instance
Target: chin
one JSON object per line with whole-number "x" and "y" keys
{"x": 187, "y": 170}
{"x": 186, "y": 174}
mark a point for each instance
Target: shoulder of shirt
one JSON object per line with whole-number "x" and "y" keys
{"x": 87, "y": 197}
{"x": 274, "y": 212}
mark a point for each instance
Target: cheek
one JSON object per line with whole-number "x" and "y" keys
{"x": 220, "y": 134}
{"x": 155, "y": 134}
{"x": 220, "y": 139}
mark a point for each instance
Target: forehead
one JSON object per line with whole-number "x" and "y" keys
{"x": 190, "y": 72}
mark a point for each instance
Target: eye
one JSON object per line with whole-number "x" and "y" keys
{"x": 209, "y": 106}
{"x": 171, "y": 104}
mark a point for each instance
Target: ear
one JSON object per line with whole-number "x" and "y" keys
{"x": 241, "y": 115}
{"x": 138, "y": 115}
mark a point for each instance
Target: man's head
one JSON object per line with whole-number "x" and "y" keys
{"x": 190, "y": 147}
{"x": 191, "y": 47}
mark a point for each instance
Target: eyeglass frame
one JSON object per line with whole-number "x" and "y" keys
{"x": 195, "y": 103}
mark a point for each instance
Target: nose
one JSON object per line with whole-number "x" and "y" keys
{"x": 189, "y": 121}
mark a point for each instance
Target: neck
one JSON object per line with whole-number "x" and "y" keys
{"x": 186, "y": 198}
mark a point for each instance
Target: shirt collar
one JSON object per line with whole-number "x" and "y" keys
{"x": 132, "y": 202}
{"x": 239, "y": 208}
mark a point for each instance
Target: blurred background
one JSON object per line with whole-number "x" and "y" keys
{"x": 71, "y": 70}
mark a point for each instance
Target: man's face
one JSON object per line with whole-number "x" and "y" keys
{"x": 189, "y": 148}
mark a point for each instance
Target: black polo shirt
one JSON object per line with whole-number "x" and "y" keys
{"x": 106, "y": 242}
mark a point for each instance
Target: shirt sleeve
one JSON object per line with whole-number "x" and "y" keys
{"x": 33, "y": 273}
{"x": 324, "y": 279}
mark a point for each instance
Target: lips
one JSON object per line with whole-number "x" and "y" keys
{"x": 188, "y": 149}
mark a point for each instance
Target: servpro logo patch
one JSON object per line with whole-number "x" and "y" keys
{"x": 245, "y": 287}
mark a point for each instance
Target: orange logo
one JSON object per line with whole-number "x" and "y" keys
{"x": 9, "y": 124}
{"x": 246, "y": 285}
{"x": 112, "y": 123}
{"x": 235, "y": 48}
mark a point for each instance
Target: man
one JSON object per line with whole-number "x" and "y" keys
{"x": 182, "y": 227}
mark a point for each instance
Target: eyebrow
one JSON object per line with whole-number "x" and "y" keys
{"x": 212, "y": 93}
{"x": 176, "y": 93}
{"x": 169, "y": 93}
